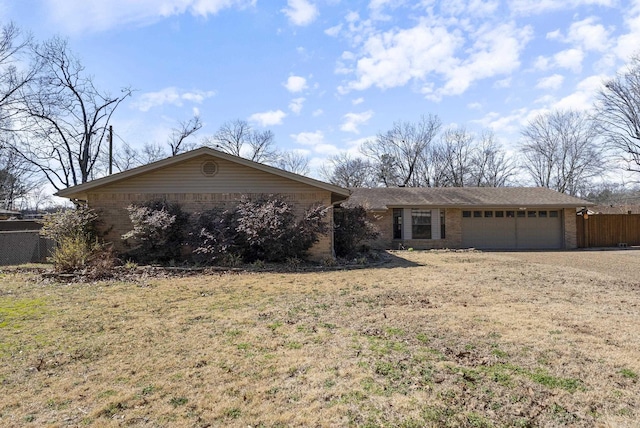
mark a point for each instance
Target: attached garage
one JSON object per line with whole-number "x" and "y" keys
{"x": 497, "y": 229}
{"x": 503, "y": 218}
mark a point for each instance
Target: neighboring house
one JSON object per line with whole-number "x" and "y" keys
{"x": 471, "y": 217}
{"x": 614, "y": 209}
{"x": 199, "y": 180}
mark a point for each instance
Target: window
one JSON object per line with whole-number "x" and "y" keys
{"x": 542, "y": 214}
{"x": 553, "y": 214}
{"x": 488, "y": 214}
{"x": 397, "y": 223}
{"x": 442, "y": 228}
{"x": 521, "y": 214}
{"x": 531, "y": 214}
{"x": 466, "y": 213}
{"x": 477, "y": 214}
{"x": 499, "y": 213}
{"x": 420, "y": 224}
{"x": 511, "y": 214}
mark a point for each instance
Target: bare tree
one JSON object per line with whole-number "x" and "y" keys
{"x": 618, "y": 113}
{"x": 293, "y": 162}
{"x": 184, "y": 131}
{"x": 16, "y": 177}
{"x": 64, "y": 117}
{"x": 397, "y": 154}
{"x": 125, "y": 157}
{"x": 491, "y": 167}
{"x": 236, "y": 137}
{"x": 561, "y": 151}
{"x": 455, "y": 157}
{"x": 13, "y": 47}
{"x": 347, "y": 171}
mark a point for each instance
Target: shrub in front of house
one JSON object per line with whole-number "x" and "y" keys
{"x": 80, "y": 221}
{"x": 212, "y": 237}
{"x": 351, "y": 230}
{"x": 268, "y": 229}
{"x": 159, "y": 231}
{"x": 265, "y": 229}
{"x": 78, "y": 246}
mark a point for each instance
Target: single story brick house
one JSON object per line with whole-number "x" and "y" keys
{"x": 508, "y": 218}
{"x": 199, "y": 180}
{"x": 421, "y": 218}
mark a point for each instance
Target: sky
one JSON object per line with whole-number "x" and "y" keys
{"x": 326, "y": 75}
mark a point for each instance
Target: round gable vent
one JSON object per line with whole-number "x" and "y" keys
{"x": 209, "y": 168}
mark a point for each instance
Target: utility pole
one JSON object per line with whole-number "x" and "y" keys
{"x": 110, "y": 149}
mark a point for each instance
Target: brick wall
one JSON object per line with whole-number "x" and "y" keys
{"x": 384, "y": 223}
{"x": 115, "y": 217}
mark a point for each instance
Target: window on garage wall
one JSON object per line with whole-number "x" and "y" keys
{"x": 420, "y": 224}
{"x": 442, "y": 228}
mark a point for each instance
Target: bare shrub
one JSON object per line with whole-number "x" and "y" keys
{"x": 213, "y": 235}
{"x": 80, "y": 221}
{"x": 74, "y": 232}
{"x": 269, "y": 230}
{"x": 352, "y": 229}
{"x": 159, "y": 231}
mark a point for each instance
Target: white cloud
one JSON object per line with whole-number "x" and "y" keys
{"x": 627, "y": 44}
{"x": 308, "y": 138}
{"x": 510, "y": 123}
{"x": 333, "y": 31}
{"x": 351, "y": 121}
{"x": 476, "y": 8}
{"x": 553, "y": 82}
{"x": 197, "y": 96}
{"x": 496, "y": 51}
{"x": 570, "y": 59}
{"x": 589, "y": 35}
{"x": 296, "y": 105}
{"x": 357, "y": 101}
{"x": 542, "y": 63}
{"x": 315, "y": 140}
{"x": 393, "y": 58}
{"x": 430, "y": 52}
{"x": 529, "y": 7}
{"x": 582, "y": 98}
{"x": 502, "y": 83}
{"x": 170, "y": 95}
{"x": 295, "y": 84}
{"x": 301, "y": 12}
{"x": 268, "y": 118}
{"x": 586, "y": 35}
{"x": 317, "y": 113}
{"x": 97, "y": 15}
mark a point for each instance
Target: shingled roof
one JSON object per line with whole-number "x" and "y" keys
{"x": 495, "y": 197}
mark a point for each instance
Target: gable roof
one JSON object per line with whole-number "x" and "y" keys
{"x": 80, "y": 191}
{"x": 508, "y": 197}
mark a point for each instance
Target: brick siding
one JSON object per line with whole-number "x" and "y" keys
{"x": 112, "y": 208}
{"x": 384, "y": 223}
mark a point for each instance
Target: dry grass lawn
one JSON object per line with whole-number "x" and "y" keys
{"x": 460, "y": 339}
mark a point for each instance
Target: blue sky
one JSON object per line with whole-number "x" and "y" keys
{"x": 324, "y": 75}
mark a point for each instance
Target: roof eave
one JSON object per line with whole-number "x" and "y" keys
{"x": 82, "y": 189}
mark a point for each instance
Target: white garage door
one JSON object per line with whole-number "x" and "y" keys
{"x": 506, "y": 229}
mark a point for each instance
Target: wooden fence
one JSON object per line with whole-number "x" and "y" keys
{"x": 608, "y": 230}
